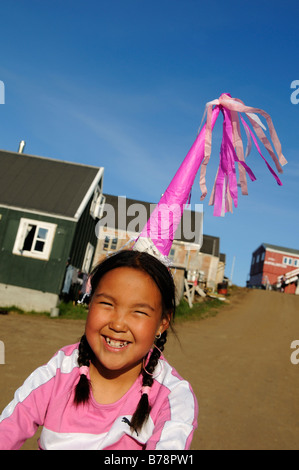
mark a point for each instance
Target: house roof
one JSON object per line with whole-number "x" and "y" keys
{"x": 45, "y": 185}
{"x": 211, "y": 246}
{"x": 281, "y": 248}
{"x": 124, "y": 220}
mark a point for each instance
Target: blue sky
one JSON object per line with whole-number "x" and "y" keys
{"x": 123, "y": 84}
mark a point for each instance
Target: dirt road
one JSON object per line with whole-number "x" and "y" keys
{"x": 237, "y": 362}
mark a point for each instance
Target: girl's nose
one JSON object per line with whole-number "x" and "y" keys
{"x": 118, "y": 322}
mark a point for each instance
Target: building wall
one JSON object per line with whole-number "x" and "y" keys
{"x": 220, "y": 272}
{"x": 85, "y": 233}
{"x": 209, "y": 267}
{"x": 291, "y": 288}
{"x": 27, "y": 299}
{"x": 257, "y": 263}
{"x": 18, "y": 270}
{"x": 109, "y": 241}
{"x": 255, "y": 280}
{"x": 278, "y": 264}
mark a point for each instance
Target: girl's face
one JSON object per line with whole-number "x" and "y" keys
{"x": 124, "y": 316}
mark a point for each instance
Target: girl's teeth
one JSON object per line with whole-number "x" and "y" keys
{"x": 116, "y": 344}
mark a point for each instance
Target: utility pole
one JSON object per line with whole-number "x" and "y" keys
{"x": 232, "y": 271}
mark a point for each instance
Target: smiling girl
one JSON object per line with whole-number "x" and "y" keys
{"x": 113, "y": 390}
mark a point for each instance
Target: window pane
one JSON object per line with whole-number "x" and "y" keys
{"x": 114, "y": 244}
{"x": 106, "y": 243}
{"x": 39, "y": 246}
{"x": 42, "y": 233}
{"x": 29, "y": 238}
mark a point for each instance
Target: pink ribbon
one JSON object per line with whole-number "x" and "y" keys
{"x": 232, "y": 151}
{"x": 259, "y": 151}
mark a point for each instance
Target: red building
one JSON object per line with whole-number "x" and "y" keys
{"x": 271, "y": 264}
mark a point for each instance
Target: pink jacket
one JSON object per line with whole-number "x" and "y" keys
{"x": 46, "y": 399}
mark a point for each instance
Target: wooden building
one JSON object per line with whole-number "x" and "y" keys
{"x": 270, "y": 264}
{"x": 48, "y": 214}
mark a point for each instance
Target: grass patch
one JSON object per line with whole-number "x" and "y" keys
{"x": 14, "y": 309}
{"x": 66, "y": 310}
{"x": 207, "y": 308}
{"x": 73, "y": 312}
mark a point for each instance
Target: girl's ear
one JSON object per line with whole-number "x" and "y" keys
{"x": 165, "y": 322}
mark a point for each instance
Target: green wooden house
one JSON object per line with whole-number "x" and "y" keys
{"x": 48, "y": 213}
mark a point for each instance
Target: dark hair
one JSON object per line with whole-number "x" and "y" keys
{"x": 164, "y": 281}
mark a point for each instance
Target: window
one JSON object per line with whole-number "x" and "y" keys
{"x": 34, "y": 239}
{"x": 110, "y": 244}
{"x": 98, "y": 203}
{"x": 87, "y": 258}
{"x": 296, "y": 262}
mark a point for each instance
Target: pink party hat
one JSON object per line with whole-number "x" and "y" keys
{"x": 158, "y": 234}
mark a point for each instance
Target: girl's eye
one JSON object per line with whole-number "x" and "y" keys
{"x": 106, "y": 303}
{"x": 143, "y": 313}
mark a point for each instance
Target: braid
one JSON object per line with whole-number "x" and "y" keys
{"x": 82, "y": 390}
{"x": 143, "y": 409}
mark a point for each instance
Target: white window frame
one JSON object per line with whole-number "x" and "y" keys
{"x": 97, "y": 204}
{"x": 23, "y": 232}
{"x": 110, "y": 243}
{"x": 87, "y": 258}
{"x": 287, "y": 261}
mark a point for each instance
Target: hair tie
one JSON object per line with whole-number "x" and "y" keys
{"x": 83, "y": 370}
{"x": 145, "y": 390}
